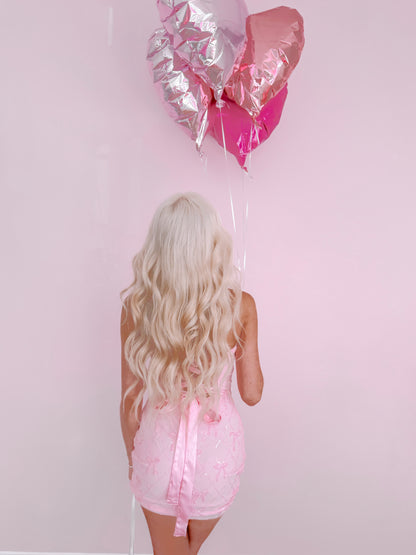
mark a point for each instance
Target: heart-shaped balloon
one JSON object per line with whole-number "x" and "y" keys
{"x": 185, "y": 95}
{"x": 208, "y": 34}
{"x": 275, "y": 39}
{"x": 242, "y": 134}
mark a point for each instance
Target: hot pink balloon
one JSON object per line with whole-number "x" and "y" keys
{"x": 185, "y": 95}
{"x": 275, "y": 39}
{"x": 208, "y": 34}
{"x": 241, "y": 136}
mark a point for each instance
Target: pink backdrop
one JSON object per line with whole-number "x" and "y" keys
{"x": 87, "y": 152}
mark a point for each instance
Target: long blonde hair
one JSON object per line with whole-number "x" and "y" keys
{"x": 184, "y": 300}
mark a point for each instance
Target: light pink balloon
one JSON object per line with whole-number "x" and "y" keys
{"x": 208, "y": 34}
{"x": 275, "y": 39}
{"x": 242, "y": 134}
{"x": 185, "y": 95}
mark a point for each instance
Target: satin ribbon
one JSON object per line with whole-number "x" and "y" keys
{"x": 182, "y": 475}
{"x": 183, "y": 468}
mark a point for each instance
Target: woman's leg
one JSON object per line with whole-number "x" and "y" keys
{"x": 161, "y": 528}
{"x": 198, "y": 531}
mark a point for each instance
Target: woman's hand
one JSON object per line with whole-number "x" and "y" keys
{"x": 130, "y": 472}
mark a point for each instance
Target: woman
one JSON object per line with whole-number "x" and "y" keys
{"x": 183, "y": 323}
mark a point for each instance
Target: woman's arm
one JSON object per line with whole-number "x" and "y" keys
{"x": 129, "y": 424}
{"x": 250, "y": 379}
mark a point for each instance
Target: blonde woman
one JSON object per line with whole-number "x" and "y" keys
{"x": 184, "y": 322}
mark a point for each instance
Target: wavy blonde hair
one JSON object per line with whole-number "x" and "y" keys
{"x": 184, "y": 300}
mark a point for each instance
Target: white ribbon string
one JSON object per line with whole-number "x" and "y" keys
{"x": 132, "y": 524}
{"x": 246, "y": 175}
{"x": 230, "y": 193}
{"x": 245, "y": 219}
{"x": 110, "y": 22}
{"x": 228, "y": 176}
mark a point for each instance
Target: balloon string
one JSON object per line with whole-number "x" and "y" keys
{"x": 229, "y": 190}
{"x": 245, "y": 217}
{"x": 133, "y": 513}
{"x": 203, "y": 157}
{"x": 245, "y": 204}
{"x": 226, "y": 161}
{"x": 110, "y": 26}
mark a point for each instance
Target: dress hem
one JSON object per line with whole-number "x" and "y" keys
{"x": 172, "y": 509}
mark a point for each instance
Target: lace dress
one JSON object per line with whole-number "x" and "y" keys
{"x": 188, "y": 469}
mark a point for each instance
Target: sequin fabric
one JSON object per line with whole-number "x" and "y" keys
{"x": 188, "y": 469}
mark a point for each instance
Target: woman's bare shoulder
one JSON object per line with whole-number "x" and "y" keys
{"x": 248, "y": 306}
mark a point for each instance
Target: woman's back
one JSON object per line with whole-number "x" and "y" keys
{"x": 187, "y": 466}
{"x": 188, "y": 326}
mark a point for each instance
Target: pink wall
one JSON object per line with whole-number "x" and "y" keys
{"x": 87, "y": 152}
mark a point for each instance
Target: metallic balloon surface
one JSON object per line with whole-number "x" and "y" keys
{"x": 242, "y": 134}
{"x": 275, "y": 39}
{"x": 208, "y": 34}
{"x": 185, "y": 95}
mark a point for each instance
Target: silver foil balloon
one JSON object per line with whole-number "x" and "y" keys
{"x": 185, "y": 95}
{"x": 208, "y": 34}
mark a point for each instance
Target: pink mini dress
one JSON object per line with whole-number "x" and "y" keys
{"x": 188, "y": 469}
